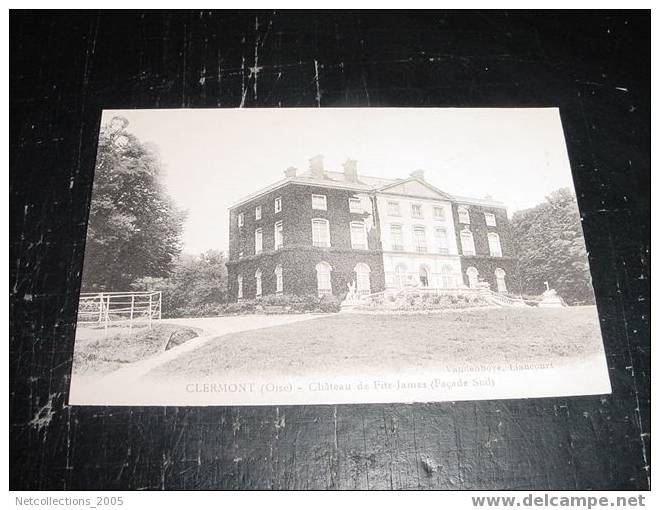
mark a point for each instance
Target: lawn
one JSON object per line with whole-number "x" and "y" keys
{"x": 99, "y": 352}
{"x": 355, "y": 343}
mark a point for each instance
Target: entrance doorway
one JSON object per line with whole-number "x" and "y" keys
{"x": 424, "y": 276}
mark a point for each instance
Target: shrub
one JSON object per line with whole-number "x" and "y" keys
{"x": 329, "y": 304}
{"x": 289, "y": 303}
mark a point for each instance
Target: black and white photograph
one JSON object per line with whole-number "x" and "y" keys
{"x": 330, "y": 248}
{"x": 355, "y": 255}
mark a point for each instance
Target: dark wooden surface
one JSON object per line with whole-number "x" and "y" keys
{"x": 66, "y": 66}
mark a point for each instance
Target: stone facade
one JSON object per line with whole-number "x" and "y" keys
{"x": 351, "y": 204}
{"x": 482, "y": 260}
{"x": 297, "y": 256}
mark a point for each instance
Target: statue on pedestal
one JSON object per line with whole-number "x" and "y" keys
{"x": 352, "y": 299}
{"x": 550, "y": 298}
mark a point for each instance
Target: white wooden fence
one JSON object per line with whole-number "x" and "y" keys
{"x": 104, "y": 308}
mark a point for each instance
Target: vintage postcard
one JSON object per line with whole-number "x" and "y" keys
{"x": 321, "y": 256}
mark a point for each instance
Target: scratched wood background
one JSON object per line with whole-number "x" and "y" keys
{"x": 66, "y": 66}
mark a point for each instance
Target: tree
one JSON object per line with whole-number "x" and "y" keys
{"x": 550, "y": 246}
{"x": 196, "y": 281}
{"x": 134, "y": 226}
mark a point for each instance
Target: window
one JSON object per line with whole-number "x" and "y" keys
{"x": 257, "y": 212}
{"x": 441, "y": 240}
{"x": 473, "y": 277}
{"x": 239, "y": 293}
{"x": 278, "y": 204}
{"x": 241, "y": 219}
{"x": 355, "y": 205}
{"x": 279, "y": 280}
{"x": 363, "y": 285}
{"x": 319, "y": 202}
{"x": 393, "y": 209}
{"x": 467, "y": 242}
{"x": 419, "y": 235}
{"x": 400, "y": 276}
{"x": 320, "y": 233}
{"x": 494, "y": 245}
{"x": 500, "y": 281}
{"x": 463, "y": 215}
{"x": 257, "y": 277}
{"x": 323, "y": 279}
{"x": 490, "y": 219}
{"x": 416, "y": 210}
{"x": 439, "y": 213}
{"x": 258, "y": 241}
{"x": 279, "y": 238}
{"x": 358, "y": 235}
{"x": 447, "y": 279}
{"x": 396, "y": 237}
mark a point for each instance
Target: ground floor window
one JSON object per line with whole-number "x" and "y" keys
{"x": 447, "y": 278}
{"x": 363, "y": 283}
{"x": 499, "y": 280}
{"x": 279, "y": 280}
{"x": 240, "y": 287}
{"x": 400, "y": 276}
{"x": 257, "y": 277}
{"x": 323, "y": 279}
{"x": 473, "y": 277}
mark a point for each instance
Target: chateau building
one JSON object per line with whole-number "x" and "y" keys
{"x": 318, "y": 231}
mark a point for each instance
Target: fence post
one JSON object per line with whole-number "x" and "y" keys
{"x": 107, "y": 314}
{"x": 100, "y": 307}
{"x": 151, "y": 312}
{"x": 160, "y": 304}
{"x": 130, "y": 324}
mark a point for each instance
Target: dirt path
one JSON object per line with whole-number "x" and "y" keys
{"x": 212, "y": 327}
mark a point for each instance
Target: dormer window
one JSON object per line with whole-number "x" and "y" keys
{"x": 319, "y": 202}
{"x": 463, "y": 215}
{"x": 490, "y": 219}
{"x": 278, "y": 205}
{"x": 416, "y": 210}
{"x": 257, "y": 212}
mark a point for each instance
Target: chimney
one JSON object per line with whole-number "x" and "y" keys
{"x": 418, "y": 174}
{"x": 350, "y": 170}
{"x": 290, "y": 172}
{"x": 316, "y": 167}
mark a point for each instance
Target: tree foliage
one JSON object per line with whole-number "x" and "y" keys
{"x": 196, "y": 282}
{"x": 134, "y": 225}
{"x": 550, "y": 246}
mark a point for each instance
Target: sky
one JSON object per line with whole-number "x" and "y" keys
{"x": 213, "y": 157}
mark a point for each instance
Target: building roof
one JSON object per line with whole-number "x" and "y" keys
{"x": 364, "y": 183}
